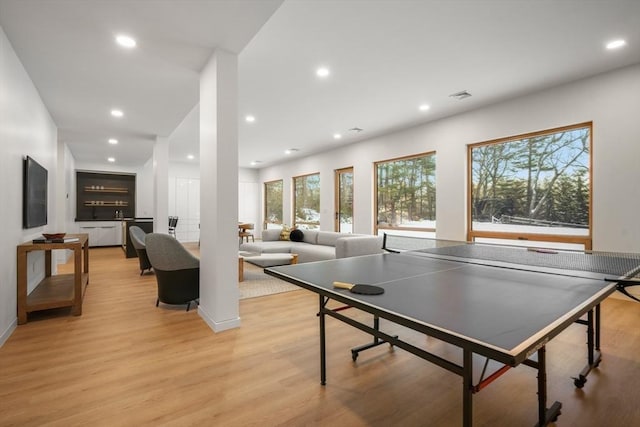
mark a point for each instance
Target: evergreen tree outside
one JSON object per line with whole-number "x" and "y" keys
{"x": 307, "y": 201}
{"x": 273, "y": 202}
{"x": 540, "y": 181}
{"x": 406, "y": 192}
{"x": 345, "y": 202}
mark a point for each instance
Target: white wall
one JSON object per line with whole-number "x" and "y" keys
{"x": 611, "y": 101}
{"x": 184, "y": 180}
{"x": 249, "y": 193}
{"x": 144, "y": 191}
{"x": 26, "y": 128}
{"x": 65, "y": 197}
{"x": 68, "y": 187}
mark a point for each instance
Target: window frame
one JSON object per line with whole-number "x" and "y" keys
{"x": 586, "y": 240}
{"x": 376, "y": 225}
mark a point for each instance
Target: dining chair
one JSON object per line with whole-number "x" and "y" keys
{"x": 244, "y": 233}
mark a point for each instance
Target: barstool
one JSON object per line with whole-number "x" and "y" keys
{"x": 173, "y": 223}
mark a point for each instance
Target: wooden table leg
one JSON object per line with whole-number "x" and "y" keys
{"x": 294, "y": 258}
{"x": 22, "y": 286}
{"x": 76, "y": 309}
{"x": 240, "y": 269}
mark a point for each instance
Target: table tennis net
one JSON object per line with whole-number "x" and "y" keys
{"x": 609, "y": 264}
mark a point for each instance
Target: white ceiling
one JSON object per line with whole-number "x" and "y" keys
{"x": 385, "y": 57}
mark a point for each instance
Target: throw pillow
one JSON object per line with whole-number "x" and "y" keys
{"x": 286, "y": 232}
{"x": 296, "y": 235}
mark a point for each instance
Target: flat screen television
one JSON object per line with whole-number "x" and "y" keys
{"x": 34, "y": 194}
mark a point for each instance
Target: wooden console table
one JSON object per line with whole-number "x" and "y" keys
{"x": 62, "y": 290}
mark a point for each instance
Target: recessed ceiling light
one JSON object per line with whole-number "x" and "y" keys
{"x": 255, "y": 162}
{"x": 337, "y": 136}
{"x": 423, "y": 107}
{"x": 117, "y": 113}
{"x": 290, "y": 150}
{"x": 111, "y": 159}
{"x": 250, "y": 119}
{"x": 616, "y": 44}
{"x": 190, "y": 156}
{"x": 113, "y": 141}
{"x": 125, "y": 41}
{"x": 322, "y": 72}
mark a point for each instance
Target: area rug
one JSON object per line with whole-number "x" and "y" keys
{"x": 257, "y": 284}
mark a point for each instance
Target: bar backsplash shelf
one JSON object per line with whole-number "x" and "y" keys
{"x": 105, "y": 195}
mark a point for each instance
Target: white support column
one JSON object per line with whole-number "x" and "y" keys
{"x": 161, "y": 185}
{"x": 219, "y": 192}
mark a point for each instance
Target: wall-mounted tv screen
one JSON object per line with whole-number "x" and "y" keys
{"x": 34, "y": 194}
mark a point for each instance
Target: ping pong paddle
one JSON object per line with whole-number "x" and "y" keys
{"x": 360, "y": 289}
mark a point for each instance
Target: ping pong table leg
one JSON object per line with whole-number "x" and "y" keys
{"x": 467, "y": 388}
{"x": 597, "y": 332}
{"x": 590, "y": 336}
{"x": 545, "y": 416}
{"x": 593, "y": 345}
{"x": 323, "y": 349}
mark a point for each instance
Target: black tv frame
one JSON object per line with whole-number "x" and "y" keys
{"x": 34, "y": 194}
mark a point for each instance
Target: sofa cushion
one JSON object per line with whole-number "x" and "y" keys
{"x": 296, "y": 235}
{"x": 267, "y": 247}
{"x": 271, "y": 234}
{"x": 286, "y": 232}
{"x": 310, "y": 253}
{"x": 328, "y": 238}
{"x": 358, "y": 245}
{"x": 310, "y": 236}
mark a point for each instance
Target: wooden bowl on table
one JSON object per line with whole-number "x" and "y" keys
{"x": 51, "y": 236}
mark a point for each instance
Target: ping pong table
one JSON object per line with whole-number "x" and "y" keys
{"x": 498, "y": 303}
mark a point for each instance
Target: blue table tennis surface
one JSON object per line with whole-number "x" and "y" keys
{"x": 504, "y": 310}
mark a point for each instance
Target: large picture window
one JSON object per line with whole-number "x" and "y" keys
{"x": 532, "y": 187}
{"x": 273, "y": 204}
{"x": 306, "y": 201}
{"x": 406, "y": 195}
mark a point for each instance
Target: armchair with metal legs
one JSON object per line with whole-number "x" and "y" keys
{"x": 177, "y": 270}
{"x": 138, "y": 237}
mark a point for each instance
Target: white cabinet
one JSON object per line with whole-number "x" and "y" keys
{"x": 102, "y": 233}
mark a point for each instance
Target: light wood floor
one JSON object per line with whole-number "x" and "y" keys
{"x": 125, "y": 362}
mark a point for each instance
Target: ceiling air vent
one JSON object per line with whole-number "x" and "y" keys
{"x": 356, "y": 130}
{"x": 460, "y": 95}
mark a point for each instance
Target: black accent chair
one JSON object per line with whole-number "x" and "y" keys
{"x": 177, "y": 270}
{"x": 138, "y": 237}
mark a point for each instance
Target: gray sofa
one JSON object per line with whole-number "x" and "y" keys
{"x": 315, "y": 246}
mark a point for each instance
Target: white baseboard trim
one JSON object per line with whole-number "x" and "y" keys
{"x": 7, "y": 333}
{"x": 218, "y": 326}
